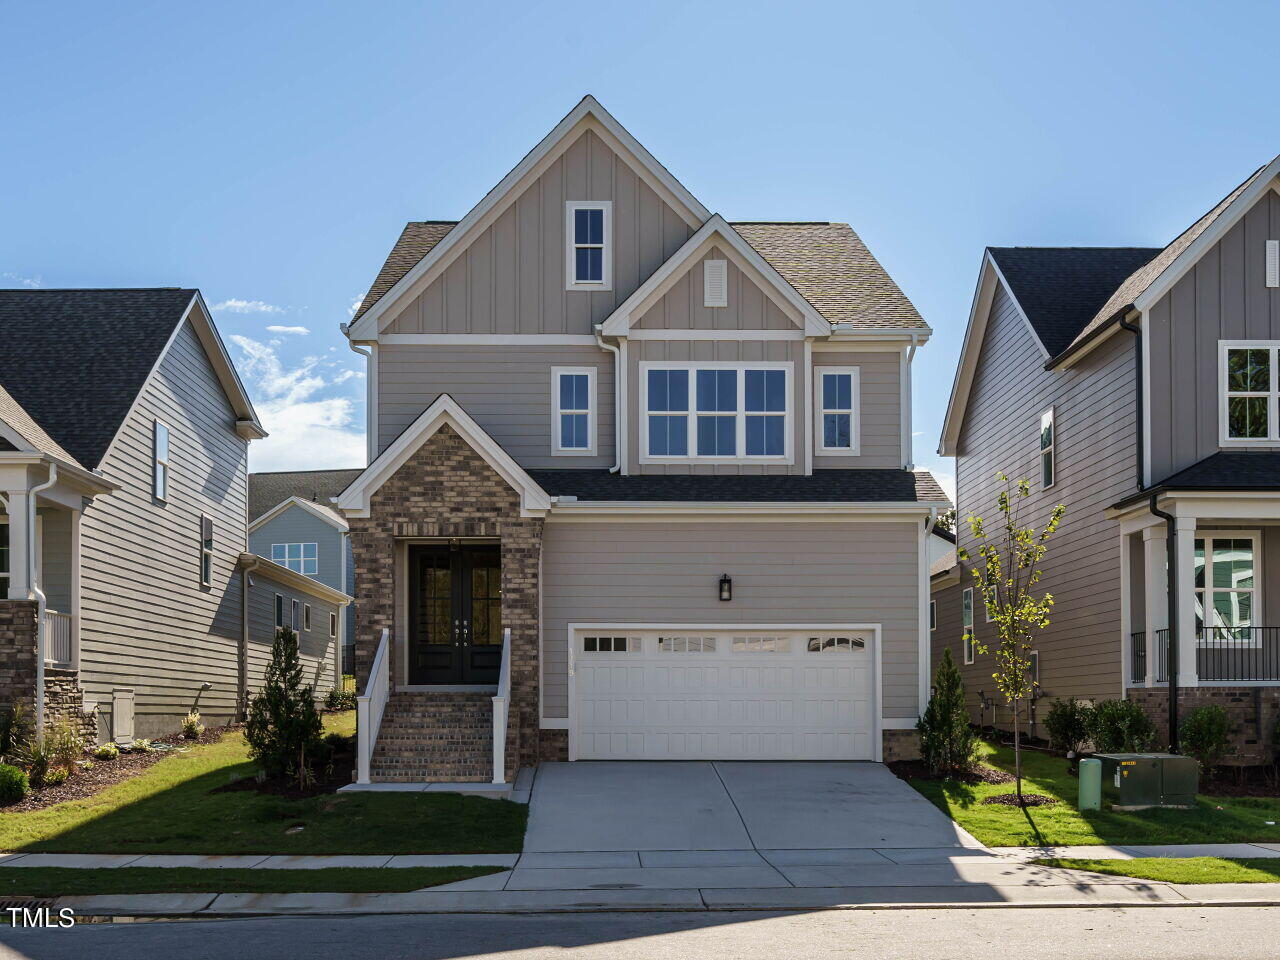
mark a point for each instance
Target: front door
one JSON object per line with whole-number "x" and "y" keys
{"x": 455, "y": 613}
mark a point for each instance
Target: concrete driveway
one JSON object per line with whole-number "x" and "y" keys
{"x": 764, "y": 807}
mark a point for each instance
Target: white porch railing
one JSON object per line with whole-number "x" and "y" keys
{"x": 500, "y": 707}
{"x": 370, "y": 705}
{"x": 57, "y": 627}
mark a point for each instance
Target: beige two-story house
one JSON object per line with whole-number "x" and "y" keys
{"x": 640, "y": 481}
{"x": 1138, "y": 387}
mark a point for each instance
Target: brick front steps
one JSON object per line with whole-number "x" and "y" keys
{"x": 434, "y": 737}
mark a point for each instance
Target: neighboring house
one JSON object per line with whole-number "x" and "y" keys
{"x": 669, "y": 455}
{"x": 124, "y": 435}
{"x": 292, "y": 521}
{"x": 1138, "y": 388}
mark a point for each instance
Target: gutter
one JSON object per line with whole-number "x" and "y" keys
{"x": 33, "y": 572}
{"x": 617, "y": 395}
{"x": 1098, "y": 332}
{"x": 371, "y": 401}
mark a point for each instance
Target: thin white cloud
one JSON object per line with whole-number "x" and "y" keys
{"x": 306, "y": 431}
{"x": 947, "y": 481}
{"x": 346, "y": 375}
{"x": 277, "y": 328}
{"x": 247, "y": 306}
{"x": 30, "y": 283}
{"x": 355, "y": 305}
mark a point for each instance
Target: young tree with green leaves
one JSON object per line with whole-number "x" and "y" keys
{"x": 1007, "y": 569}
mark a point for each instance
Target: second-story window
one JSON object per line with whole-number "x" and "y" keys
{"x": 588, "y": 253}
{"x": 1048, "y": 444}
{"x": 836, "y": 390}
{"x": 966, "y": 618}
{"x": 573, "y": 423}
{"x": 298, "y": 557}
{"x": 716, "y": 412}
{"x": 1250, "y": 386}
{"x": 206, "y": 550}
{"x": 160, "y": 461}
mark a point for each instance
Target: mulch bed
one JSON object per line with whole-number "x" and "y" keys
{"x": 1242, "y": 782}
{"x": 1028, "y": 800}
{"x": 105, "y": 773}
{"x": 978, "y": 773}
{"x": 333, "y": 774}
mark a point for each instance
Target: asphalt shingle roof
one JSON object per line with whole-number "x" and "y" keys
{"x": 266, "y": 490}
{"x": 1061, "y": 288}
{"x": 74, "y": 360}
{"x": 824, "y": 486}
{"x": 416, "y": 240}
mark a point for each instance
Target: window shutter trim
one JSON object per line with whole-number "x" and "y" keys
{"x": 715, "y": 283}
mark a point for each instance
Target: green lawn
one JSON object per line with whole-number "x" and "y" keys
{"x": 1180, "y": 869}
{"x": 169, "y": 808}
{"x": 1238, "y": 820}
{"x": 65, "y": 882}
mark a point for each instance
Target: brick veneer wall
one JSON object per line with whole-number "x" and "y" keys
{"x": 446, "y": 489}
{"x": 63, "y": 698}
{"x": 1253, "y": 713}
{"x": 900, "y": 745}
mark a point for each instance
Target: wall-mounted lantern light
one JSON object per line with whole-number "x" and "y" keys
{"x": 726, "y": 587}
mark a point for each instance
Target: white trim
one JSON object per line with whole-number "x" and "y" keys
{"x": 354, "y": 501}
{"x": 587, "y": 115}
{"x": 330, "y": 517}
{"x": 333, "y": 628}
{"x": 593, "y": 402}
{"x": 904, "y": 407}
{"x": 1145, "y": 327}
{"x": 487, "y": 339}
{"x": 1271, "y": 394}
{"x": 671, "y": 509}
{"x": 715, "y": 283}
{"x": 820, "y": 449}
{"x": 571, "y": 281}
{"x": 1051, "y": 451}
{"x": 647, "y": 333}
{"x": 621, "y": 414}
{"x": 740, "y": 414}
{"x": 371, "y": 402}
{"x": 808, "y": 436}
{"x": 302, "y": 555}
{"x": 933, "y": 616}
{"x": 877, "y": 683}
{"x": 872, "y": 341}
{"x": 967, "y": 652}
{"x": 744, "y": 256}
{"x": 1257, "y": 598}
{"x": 207, "y": 549}
{"x": 160, "y": 464}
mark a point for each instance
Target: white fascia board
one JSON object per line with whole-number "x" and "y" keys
{"x": 22, "y": 444}
{"x": 588, "y": 111}
{"x": 290, "y": 578}
{"x": 315, "y": 510}
{"x": 974, "y": 333}
{"x": 73, "y": 474}
{"x": 744, "y": 255}
{"x": 354, "y": 501}
{"x": 915, "y": 335}
{"x": 488, "y": 339}
{"x": 247, "y": 423}
{"x": 564, "y": 509}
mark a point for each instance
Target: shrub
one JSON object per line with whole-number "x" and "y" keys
{"x": 947, "y": 742}
{"x": 15, "y": 730}
{"x": 55, "y": 776}
{"x": 1206, "y": 735}
{"x": 1068, "y": 725}
{"x": 337, "y": 699}
{"x": 1120, "y": 726}
{"x": 14, "y": 785}
{"x": 283, "y": 727}
{"x": 191, "y": 726}
{"x": 40, "y": 762}
{"x": 64, "y": 744}
{"x": 140, "y": 745}
{"x": 108, "y": 751}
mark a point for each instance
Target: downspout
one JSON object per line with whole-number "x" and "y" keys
{"x": 370, "y": 399}
{"x": 33, "y": 567}
{"x": 242, "y": 668}
{"x": 617, "y": 397}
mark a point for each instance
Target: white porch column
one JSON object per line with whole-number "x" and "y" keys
{"x": 20, "y": 536}
{"x": 75, "y": 589}
{"x": 1184, "y": 570}
{"x": 1154, "y": 567}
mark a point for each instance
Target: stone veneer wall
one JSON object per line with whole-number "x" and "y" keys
{"x": 63, "y": 698}
{"x": 900, "y": 745}
{"x": 446, "y": 489}
{"x": 1253, "y": 713}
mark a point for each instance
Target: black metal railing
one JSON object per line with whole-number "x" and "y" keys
{"x": 1138, "y": 656}
{"x": 1247, "y": 654}
{"x": 1162, "y": 656}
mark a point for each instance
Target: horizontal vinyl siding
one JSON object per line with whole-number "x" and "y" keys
{"x": 315, "y": 647}
{"x": 646, "y": 573}
{"x": 506, "y": 389}
{"x": 879, "y": 413}
{"x": 147, "y": 623}
{"x": 683, "y": 306}
{"x": 296, "y": 525}
{"x": 1080, "y": 651}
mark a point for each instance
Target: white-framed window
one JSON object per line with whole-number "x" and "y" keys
{"x": 293, "y": 619}
{"x": 726, "y": 412}
{"x": 333, "y": 624}
{"x": 966, "y": 619}
{"x": 686, "y": 644}
{"x": 588, "y": 233}
{"x": 279, "y": 611}
{"x": 1248, "y": 393}
{"x": 933, "y": 615}
{"x": 206, "y": 550}
{"x": 306, "y": 617}
{"x": 298, "y": 557}
{"x": 1048, "y": 444}
{"x": 573, "y": 419}
{"x": 1033, "y": 668}
{"x": 836, "y": 644}
{"x": 1227, "y": 570}
{"x": 160, "y": 461}
{"x": 836, "y": 395}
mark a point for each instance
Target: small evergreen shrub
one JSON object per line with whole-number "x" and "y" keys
{"x": 191, "y": 726}
{"x": 108, "y": 751}
{"x": 283, "y": 728}
{"x": 1206, "y": 735}
{"x": 14, "y": 785}
{"x": 947, "y": 742}
{"x": 1120, "y": 726}
{"x": 1067, "y": 723}
{"x": 337, "y": 699}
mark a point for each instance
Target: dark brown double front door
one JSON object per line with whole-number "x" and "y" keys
{"x": 455, "y": 613}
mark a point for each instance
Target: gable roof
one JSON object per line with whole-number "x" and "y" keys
{"x": 416, "y": 240}
{"x": 1060, "y": 289}
{"x": 27, "y": 431}
{"x": 316, "y": 488}
{"x": 76, "y": 360}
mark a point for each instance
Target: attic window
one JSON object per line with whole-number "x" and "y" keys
{"x": 715, "y": 283}
{"x": 588, "y": 245}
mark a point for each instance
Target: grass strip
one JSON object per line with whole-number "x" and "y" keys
{"x": 1179, "y": 869}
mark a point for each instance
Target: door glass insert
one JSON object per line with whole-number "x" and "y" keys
{"x": 836, "y": 644}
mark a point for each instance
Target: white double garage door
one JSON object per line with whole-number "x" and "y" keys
{"x": 746, "y": 693}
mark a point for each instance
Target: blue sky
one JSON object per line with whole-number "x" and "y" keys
{"x": 269, "y": 153}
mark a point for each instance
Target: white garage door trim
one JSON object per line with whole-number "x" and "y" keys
{"x": 877, "y": 694}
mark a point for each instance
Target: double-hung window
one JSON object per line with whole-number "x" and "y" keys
{"x": 298, "y": 557}
{"x": 1248, "y": 393}
{"x": 160, "y": 461}
{"x": 1048, "y": 444}
{"x": 588, "y": 245}
{"x": 966, "y": 618}
{"x": 716, "y": 411}
{"x": 836, "y": 394}
{"x": 294, "y": 620}
{"x": 1226, "y": 579}
{"x": 306, "y": 617}
{"x": 573, "y": 426}
{"x": 333, "y": 624}
{"x": 279, "y": 611}
{"x": 206, "y": 550}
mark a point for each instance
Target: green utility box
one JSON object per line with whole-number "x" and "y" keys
{"x": 1137, "y": 780}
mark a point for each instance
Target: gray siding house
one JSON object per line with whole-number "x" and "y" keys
{"x": 639, "y": 482}
{"x": 124, "y": 435}
{"x": 1137, "y": 387}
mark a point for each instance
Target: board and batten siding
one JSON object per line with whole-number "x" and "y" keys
{"x": 511, "y": 279}
{"x": 1080, "y": 651}
{"x": 653, "y": 573}
{"x": 683, "y": 307}
{"x": 506, "y": 389}
{"x": 1223, "y": 297}
{"x": 315, "y": 647}
{"x": 147, "y": 623}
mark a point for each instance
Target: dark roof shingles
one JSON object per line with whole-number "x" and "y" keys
{"x": 266, "y": 490}
{"x": 824, "y": 486}
{"x": 416, "y": 240}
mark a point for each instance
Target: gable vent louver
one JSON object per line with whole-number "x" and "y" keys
{"x": 1273, "y": 263}
{"x": 715, "y": 283}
